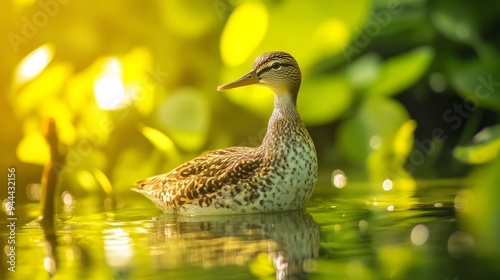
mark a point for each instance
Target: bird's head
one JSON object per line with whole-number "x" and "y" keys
{"x": 276, "y": 70}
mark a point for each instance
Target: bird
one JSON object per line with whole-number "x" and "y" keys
{"x": 278, "y": 175}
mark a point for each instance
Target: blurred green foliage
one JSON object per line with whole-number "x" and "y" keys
{"x": 390, "y": 87}
{"x": 393, "y": 91}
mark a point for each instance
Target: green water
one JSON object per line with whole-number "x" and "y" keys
{"x": 339, "y": 236}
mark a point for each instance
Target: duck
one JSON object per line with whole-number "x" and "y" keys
{"x": 278, "y": 175}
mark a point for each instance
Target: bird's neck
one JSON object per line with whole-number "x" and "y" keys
{"x": 285, "y": 109}
{"x": 285, "y": 123}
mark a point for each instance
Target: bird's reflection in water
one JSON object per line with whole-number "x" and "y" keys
{"x": 290, "y": 240}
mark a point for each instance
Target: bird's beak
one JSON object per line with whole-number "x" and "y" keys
{"x": 248, "y": 79}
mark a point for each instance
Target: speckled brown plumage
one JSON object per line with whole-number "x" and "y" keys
{"x": 278, "y": 175}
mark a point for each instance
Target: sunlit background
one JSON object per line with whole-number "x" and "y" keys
{"x": 401, "y": 97}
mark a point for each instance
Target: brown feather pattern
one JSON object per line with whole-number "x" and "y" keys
{"x": 278, "y": 175}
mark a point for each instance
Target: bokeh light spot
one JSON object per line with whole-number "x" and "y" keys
{"x": 387, "y": 185}
{"x": 337, "y": 228}
{"x": 118, "y": 250}
{"x": 437, "y": 82}
{"x": 34, "y": 191}
{"x": 109, "y": 92}
{"x": 419, "y": 234}
{"x": 67, "y": 198}
{"x": 460, "y": 244}
{"x": 34, "y": 63}
{"x": 363, "y": 226}
{"x": 375, "y": 142}
{"x": 339, "y": 180}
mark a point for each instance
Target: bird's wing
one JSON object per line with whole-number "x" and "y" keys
{"x": 203, "y": 175}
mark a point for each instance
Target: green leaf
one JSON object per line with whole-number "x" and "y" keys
{"x": 403, "y": 141}
{"x": 387, "y": 162}
{"x": 159, "y": 140}
{"x": 323, "y": 29}
{"x": 364, "y": 71}
{"x": 324, "y": 100}
{"x": 188, "y": 19}
{"x": 456, "y": 20}
{"x": 485, "y": 147}
{"x": 43, "y": 87}
{"x": 104, "y": 182}
{"x": 400, "y": 72}
{"x": 480, "y": 205}
{"x": 185, "y": 116}
{"x": 478, "y": 83}
{"x": 374, "y": 126}
{"x": 244, "y": 30}
{"x": 33, "y": 149}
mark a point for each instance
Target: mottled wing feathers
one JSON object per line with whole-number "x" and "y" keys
{"x": 200, "y": 179}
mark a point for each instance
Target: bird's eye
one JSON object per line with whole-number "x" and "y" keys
{"x": 276, "y": 65}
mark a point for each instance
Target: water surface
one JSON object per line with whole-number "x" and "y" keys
{"x": 338, "y": 236}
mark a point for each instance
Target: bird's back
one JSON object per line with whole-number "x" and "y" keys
{"x": 203, "y": 181}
